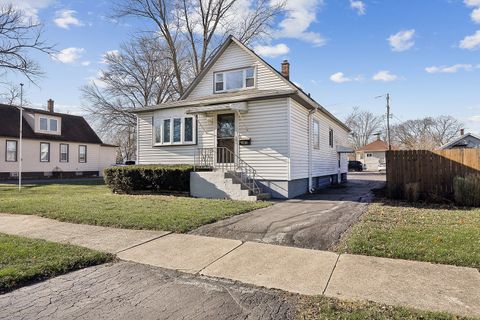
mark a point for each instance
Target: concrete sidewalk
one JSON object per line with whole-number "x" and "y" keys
{"x": 396, "y": 282}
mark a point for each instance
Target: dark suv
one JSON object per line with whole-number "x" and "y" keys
{"x": 355, "y": 166}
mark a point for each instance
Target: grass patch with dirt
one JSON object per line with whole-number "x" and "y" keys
{"x": 23, "y": 260}
{"x": 93, "y": 203}
{"x": 323, "y": 308}
{"x": 433, "y": 233}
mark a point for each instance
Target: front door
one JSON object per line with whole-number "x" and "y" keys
{"x": 226, "y": 138}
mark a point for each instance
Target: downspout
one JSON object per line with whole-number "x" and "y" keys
{"x": 310, "y": 182}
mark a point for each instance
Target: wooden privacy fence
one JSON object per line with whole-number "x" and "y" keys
{"x": 417, "y": 174}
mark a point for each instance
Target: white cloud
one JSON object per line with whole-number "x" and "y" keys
{"x": 85, "y": 63}
{"x": 29, "y": 7}
{"x": 359, "y": 6}
{"x": 272, "y": 51}
{"x": 109, "y": 52}
{"x": 476, "y": 15}
{"x": 300, "y": 14}
{"x": 385, "y": 76}
{"x": 96, "y": 79}
{"x": 475, "y": 118}
{"x": 66, "y": 18}
{"x": 402, "y": 41}
{"x": 472, "y": 3}
{"x": 450, "y": 69}
{"x": 340, "y": 77}
{"x": 69, "y": 55}
{"x": 471, "y": 42}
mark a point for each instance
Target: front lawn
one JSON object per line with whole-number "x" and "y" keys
{"x": 24, "y": 260}
{"x": 93, "y": 203}
{"x": 433, "y": 233}
{"x": 323, "y": 308}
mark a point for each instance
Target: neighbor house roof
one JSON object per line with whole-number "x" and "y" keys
{"x": 297, "y": 92}
{"x": 459, "y": 139}
{"x": 377, "y": 145}
{"x": 74, "y": 128}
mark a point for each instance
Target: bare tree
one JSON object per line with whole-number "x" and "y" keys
{"x": 136, "y": 76}
{"x": 18, "y": 36}
{"x": 427, "y": 133}
{"x": 193, "y": 29}
{"x": 10, "y": 95}
{"x": 364, "y": 125}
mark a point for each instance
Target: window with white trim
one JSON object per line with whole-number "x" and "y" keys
{"x": 316, "y": 134}
{"x": 48, "y": 124}
{"x": 11, "y": 151}
{"x": 82, "y": 153}
{"x": 330, "y": 138}
{"x": 44, "y": 152}
{"x": 64, "y": 152}
{"x": 232, "y": 80}
{"x": 174, "y": 131}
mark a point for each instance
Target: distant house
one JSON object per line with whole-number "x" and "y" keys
{"x": 465, "y": 140}
{"x": 372, "y": 155}
{"x": 244, "y": 121}
{"x": 53, "y": 145}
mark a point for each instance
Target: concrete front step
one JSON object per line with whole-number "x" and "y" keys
{"x": 221, "y": 185}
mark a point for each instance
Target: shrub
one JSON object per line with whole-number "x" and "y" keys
{"x": 467, "y": 190}
{"x": 152, "y": 178}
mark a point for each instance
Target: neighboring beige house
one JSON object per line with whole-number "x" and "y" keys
{"x": 53, "y": 145}
{"x": 250, "y": 127}
{"x": 372, "y": 155}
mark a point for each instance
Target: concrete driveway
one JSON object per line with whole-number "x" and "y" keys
{"x": 314, "y": 221}
{"x": 128, "y": 290}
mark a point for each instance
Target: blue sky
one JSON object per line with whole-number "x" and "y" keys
{"x": 426, "y": 54}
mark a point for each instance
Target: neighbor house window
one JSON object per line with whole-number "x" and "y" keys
{"x": 44, "y": 152}
{"x": 178, "y": 131}
{"x": 330, "y": 138}
{"x": 369, "y": 155}
{"x": 234, "y": 79}
{"x": 11, "y": 151}
{"x": 63, "y": 152}
{"x": 48, "y": 124}
{"x": 316, "y": 134}
{"x": 82, "y": 153}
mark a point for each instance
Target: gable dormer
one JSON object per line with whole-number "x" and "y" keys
{"x": 47, "y": 124}
{"x": 235, "y": 68}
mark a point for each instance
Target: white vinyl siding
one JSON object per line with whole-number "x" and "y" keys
{"x": 325, "y": 158}
{"x": 235, "y": 57}
{"x": 170, "y": 154}
{"x": 266, "y": 124}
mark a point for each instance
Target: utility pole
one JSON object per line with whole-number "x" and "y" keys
{"x": 388, "y": 123}
{"x": 20, "y": 138}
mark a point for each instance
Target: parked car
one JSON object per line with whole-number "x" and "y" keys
{"x": 382, "y": 167}
{"x": 355, "y": 166}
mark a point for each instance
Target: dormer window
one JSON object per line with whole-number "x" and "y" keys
{"x": 233, "y": 80}
{"x": 48, "y": 124}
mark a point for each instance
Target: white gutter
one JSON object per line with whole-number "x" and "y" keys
{"x": 310, "y": 182}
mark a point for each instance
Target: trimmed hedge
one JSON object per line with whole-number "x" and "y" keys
{"x": 152, "y": 178}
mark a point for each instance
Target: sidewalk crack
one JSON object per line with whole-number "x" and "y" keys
{"x": 208, "y": 265}
{"x": 331, "y": 274}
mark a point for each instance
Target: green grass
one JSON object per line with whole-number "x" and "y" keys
{"x": 23, "y": 260}
{"x": 323, "y": 308}
{"x": 93, "y": 203}
{"x": 433, "y": 233}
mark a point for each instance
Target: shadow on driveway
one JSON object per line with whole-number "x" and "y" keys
{"x": 313, "y": 221}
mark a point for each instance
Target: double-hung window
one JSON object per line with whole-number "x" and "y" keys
{"x": 44, "y": 152}
{"x": 232, "y": 80}
{"x": 174, "y": 131}
{"x": 316, "y": 134}
{"x": 82, "y": 153}
{"x": 11, "y": 151}
{"x": 63, "y": 152}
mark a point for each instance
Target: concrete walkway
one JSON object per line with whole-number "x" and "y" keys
{"x": 395, "y": 282}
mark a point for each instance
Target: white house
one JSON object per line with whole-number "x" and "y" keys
{"x": 372, "y": 155}
{"x": 250, "y": 126}
{"x": 53, "y": 145}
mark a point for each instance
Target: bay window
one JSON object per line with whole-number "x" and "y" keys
{"x": 238, "y": 79}
{"x": 174, "y": 131}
